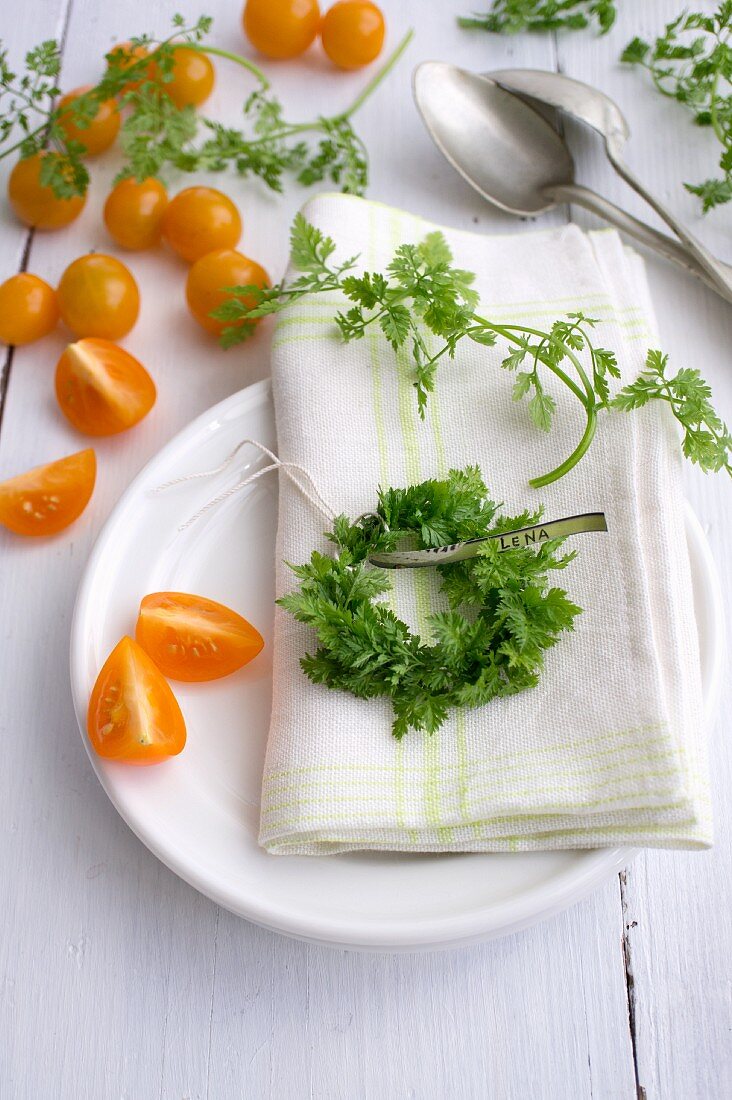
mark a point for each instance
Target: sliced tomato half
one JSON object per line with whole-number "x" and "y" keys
{"x": 192, "y": 638}
{"x": 133, "y": 715}
{"x": 101, "y": 388}
{"x": 46, "y": 499}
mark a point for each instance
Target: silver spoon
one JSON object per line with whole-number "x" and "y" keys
{"x": 515, "y": 159}
{"x": 593, "y": 107}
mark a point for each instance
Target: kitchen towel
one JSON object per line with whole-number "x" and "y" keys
{"x": 609, "y": 748}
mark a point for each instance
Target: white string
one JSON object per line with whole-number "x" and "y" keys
{"x": 288, "y": 468}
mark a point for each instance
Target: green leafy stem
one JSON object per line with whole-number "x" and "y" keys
{"x": 157, "y": 134}
{"x": 691, "y": 62}
{"x": 423, "y": 301}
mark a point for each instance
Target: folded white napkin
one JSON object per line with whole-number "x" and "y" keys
{"x": 609, "y": 748}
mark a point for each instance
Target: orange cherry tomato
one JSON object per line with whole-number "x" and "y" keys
{"x": 97, "y": 296}
{"x": 207, "y": 278}
{"x": 102, "y": 129}
{"x": 48, "y": 498}
{"x": 28, "y": 309}
{"x": 133, "y": 716}
{"x": 191, "y": 638}
{"x": 126, "y": 55}
{"x": 133, "y": 213}
{"x": 101, "y": 388}
{"x": 193, "y": 77}
{"x": 352, "y": 33}
{"x": 281, "y": 28}
{"x": 34, "y": 202}
{"x": 200, "y": 219}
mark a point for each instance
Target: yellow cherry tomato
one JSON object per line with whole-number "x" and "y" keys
{"x": 34, "y": 202}
{"x": 207, "y": 279}
{"x": 28, "y": 309}
{"x": 102, "y": 129}
{"x": 199, "y": 220}
{"x": 281, "y": 28}
{"x": 133, "y": 213}
{"x": 101, "y": 388}
{"x": 125, "y": 55}
{"x": 352, "y": 33}
{"x": 97, "y": 296}
{"x": 193, "y": 77}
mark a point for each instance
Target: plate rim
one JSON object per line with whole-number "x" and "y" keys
{"x": 503, "y": 918}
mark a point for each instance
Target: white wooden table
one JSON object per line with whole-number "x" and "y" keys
{"x": 117, "y": 979}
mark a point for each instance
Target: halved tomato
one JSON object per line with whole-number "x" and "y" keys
{"x": 48, "y": 498}
{"x": 133, "y": 715}
{"x": 191, "y": 638}
{"x": 101, "y": 388}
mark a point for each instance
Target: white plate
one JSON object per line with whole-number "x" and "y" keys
{"x": 199, "y": 812}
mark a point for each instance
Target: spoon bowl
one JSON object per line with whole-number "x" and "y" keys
{"x": 496, "y": 141}
{"x": 581, "y": 101}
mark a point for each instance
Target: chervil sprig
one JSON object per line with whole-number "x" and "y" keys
{"x": 423, "y": 302}
{"x": 157, "y": 135}
{"x": 706, "y": 440}
{"x": 512, "y": 16}
{"x": 691, "y": 62}
{"x": 503, "y": 613}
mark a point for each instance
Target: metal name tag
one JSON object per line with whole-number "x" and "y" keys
{"x": 507, "y": 540}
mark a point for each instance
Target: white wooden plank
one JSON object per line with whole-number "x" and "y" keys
{"x": 678, "y": 905}
{"x": 539, "y": 1014}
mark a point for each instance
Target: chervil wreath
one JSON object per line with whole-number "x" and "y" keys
{"x": 502, "y": 612}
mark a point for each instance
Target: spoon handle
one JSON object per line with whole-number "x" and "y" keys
{"x": 665, "y": 246}
{"x": 718, "y": 271}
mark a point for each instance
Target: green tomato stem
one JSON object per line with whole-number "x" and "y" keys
{"x": 235, "y": 57}
{"x": 379, "y": 76}
{"x": 26, "y": 137}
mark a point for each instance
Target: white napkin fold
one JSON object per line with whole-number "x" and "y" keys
{"x": 609, "y": 748}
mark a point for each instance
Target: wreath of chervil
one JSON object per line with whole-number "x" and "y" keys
{"x": 502, "y": 612}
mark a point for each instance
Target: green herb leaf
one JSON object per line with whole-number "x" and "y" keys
{"x": 691, "y": 62}
{"x": 512, "y": 16}
{"x": 503, "y": 612}
{"x": 706, "y": 439}
{"x": 423, "y": 301}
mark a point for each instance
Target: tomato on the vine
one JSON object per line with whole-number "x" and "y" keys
{"x": 133, "y": 716}
{"x": 192, "y": 77}
{"x": 102, "y": 129}
{"x": 192, "y": 638}
{"x": 48, "y": 498}
{"x": 200, "y": 219}
{"x": 35, "y": 203}
{"x": 133, "y": 213}
{"x": 28, "y": 309}
{"x": 101, "y": 388}
{"x": 281, "y": 28}
{"x": 352, "y": 33}
{"x": 206, "y": 281}
{"x": 97, "y": 296}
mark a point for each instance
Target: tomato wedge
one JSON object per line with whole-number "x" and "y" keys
{"x": 191, "y": 638}
{"x": 48, "y": 498}
{"x": 133, "y": 715}
{"x": 101, "y": 388}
